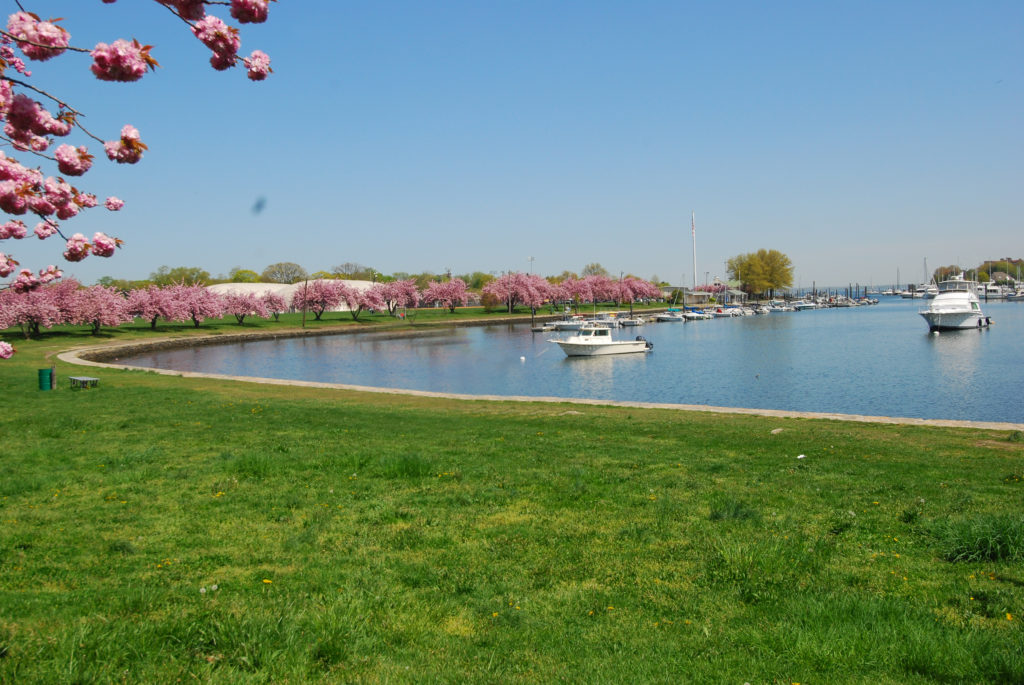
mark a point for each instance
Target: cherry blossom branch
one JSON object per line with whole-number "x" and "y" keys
{"x": 43, "y": 46}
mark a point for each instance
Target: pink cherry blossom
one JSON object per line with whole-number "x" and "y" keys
{"x": 13, "y": 229}
{"x": 250, "y": 11}
{"x": 44, "y": 230}
{"x": 73, "y": 161}
{"x": 77, "y": 248}
{"x": 113, "y": 203}
{"x": 129, "y": 149}
{"x": 258, "y": 65}
{"x": 187, "y": 9}
{"x": 103, "y": 245}
{"x": 220, "y": 38}
{"x": 7, "y": 266}
{"x": 6, "y": 351}
{"x": 25, "y": 281}
{"x": 44, "y": 38}
{"x": 85, "y": 200}
{"x": 50, "y": 273}
{"x": 121, "y": 61}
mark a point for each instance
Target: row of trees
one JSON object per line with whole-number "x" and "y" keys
{"x": 532, "y": 291}
{"x": 1003, "y": 271}
{"x": 99, "y": 306}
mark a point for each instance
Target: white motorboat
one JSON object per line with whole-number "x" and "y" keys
{"x": 670, "y": 315}
{"x": 574, "y": 323}
{"x": 594, "y": 340}
{"x": 801, "y": 305}
{"x": 956, "y": 306}
{"x": 696, "y": 315}
{"x": 631, "y": 321}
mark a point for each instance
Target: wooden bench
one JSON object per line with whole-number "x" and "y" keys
{"x": 82, "y": 382}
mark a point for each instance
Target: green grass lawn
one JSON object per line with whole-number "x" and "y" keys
{"x": 160, "y": 529}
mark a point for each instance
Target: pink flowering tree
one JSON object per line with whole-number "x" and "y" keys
{"x": 241, "y": 305}
{"x": 34, "y": 117}
{"x": 41, "y": 307}
{"x": 519, "y": 288}
{"x": 195, "y": 303}
{"x": 358, "y": 299}
{"x": 631, "y": 289}
{"x": 578, "y": 290}
{"x": 155, "y": 302}
{"x": 274, "y": 304}
{"x": 602, "y": 288}
{"x": 99, "y": 306}
{"x": 318, "y": 296}
{"x": 450, "y": 294}
{"x": 398, "y": 294}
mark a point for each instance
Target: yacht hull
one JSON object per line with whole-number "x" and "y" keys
{"x": 951, "y": 321}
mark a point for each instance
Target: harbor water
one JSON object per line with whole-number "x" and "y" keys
{"x": 874, "y": 360}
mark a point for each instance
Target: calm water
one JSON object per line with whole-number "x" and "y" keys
{"x": 876, "y": 360}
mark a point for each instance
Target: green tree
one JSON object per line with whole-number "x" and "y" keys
{"x": 564, "y": 276}
{"x": 356, "y": 272}
{"x": 283, "y": 272}
{"x": 762, "y": 272}
{"x": 240, "y": 275}
{"x": 476, "y": 280}
{"x": 122, "y": 284}
{"x": 322, "y": 274}
{"x": 189, "y": 275}
{"x": 595, "y": 269}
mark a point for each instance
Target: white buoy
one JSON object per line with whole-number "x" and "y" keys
{"x": 522, "y": 359}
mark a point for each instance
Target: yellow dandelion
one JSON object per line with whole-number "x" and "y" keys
{"x": 494, "y": 615}
{"x": 267, "y": 581}
{"x": 1009, "y": 617}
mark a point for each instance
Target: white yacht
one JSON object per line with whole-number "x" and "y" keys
{"x": 594, "y": 340}
{"x": 955, "y": 306}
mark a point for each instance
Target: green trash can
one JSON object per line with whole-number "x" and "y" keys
{"x": 44, "y": 379}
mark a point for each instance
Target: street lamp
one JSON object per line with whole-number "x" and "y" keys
{"x": 530, "y": 259}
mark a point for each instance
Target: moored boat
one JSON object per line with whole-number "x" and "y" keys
{"x": 596, "y": 340}
{"x": 956, "y": 306}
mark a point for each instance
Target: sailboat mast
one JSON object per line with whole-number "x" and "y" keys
{"x": 693, "y": 233}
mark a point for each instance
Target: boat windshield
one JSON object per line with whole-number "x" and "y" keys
{"x": 954, "y": 286}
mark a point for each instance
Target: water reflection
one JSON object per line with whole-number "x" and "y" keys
{"x": 868, "y": 360}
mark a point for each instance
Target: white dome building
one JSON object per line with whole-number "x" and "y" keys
{"x": 285, "y": 290}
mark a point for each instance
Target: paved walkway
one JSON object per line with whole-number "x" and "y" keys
{"x": 82, "y": 356}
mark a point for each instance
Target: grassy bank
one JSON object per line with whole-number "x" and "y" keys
{"x": 158, "y": 529}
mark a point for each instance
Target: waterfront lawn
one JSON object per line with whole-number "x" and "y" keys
{"x": 157, "y": 529}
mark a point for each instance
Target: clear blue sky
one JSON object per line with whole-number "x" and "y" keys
{"x": 857, "y": 137}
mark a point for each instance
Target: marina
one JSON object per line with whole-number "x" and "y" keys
{"x": 876, "y": 360}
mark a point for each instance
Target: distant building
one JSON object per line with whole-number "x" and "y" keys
{"x": 686, "y": 296}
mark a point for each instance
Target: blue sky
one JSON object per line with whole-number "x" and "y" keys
{"x": 857, "y": 137}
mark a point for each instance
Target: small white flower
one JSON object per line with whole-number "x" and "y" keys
{"x": 801, "y": 456}
{"x": 213, "y": 587}
{"x": 202, "y": 591}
